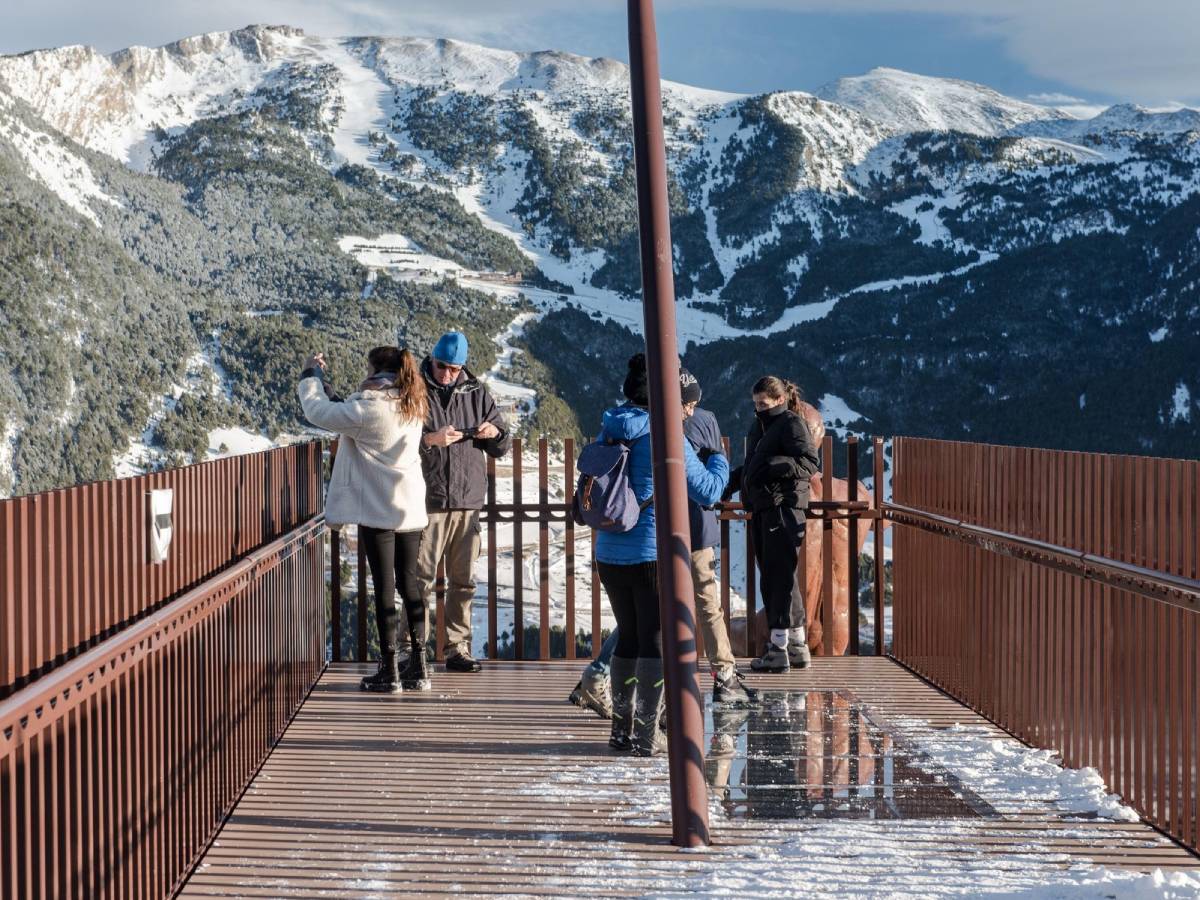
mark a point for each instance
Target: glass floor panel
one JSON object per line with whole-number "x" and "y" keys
{"x": 821, "y": 754}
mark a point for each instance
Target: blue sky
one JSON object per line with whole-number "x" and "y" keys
{"x": 1097, "y": 51}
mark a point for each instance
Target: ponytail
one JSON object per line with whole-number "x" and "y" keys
{"x": 794, "y": 397}
{"x": 781, "y": 390}
{"x": 413, "y": 402}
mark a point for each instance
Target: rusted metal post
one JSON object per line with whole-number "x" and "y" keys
{"x": 689, "y": 793}
{"x": 335, "y": 594}
{"x": 877, "y": 527}
{"x": 852, "y": 541}
{"x": 335, "y": 570}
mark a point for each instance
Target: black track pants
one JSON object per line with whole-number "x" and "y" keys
{"x": 778, "y": 537}
{"x": 392, "y": 556}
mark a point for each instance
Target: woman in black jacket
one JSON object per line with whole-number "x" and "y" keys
{"x": 774, "y": 482}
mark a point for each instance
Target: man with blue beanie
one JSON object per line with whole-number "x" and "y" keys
{"x": 462, "y": 426}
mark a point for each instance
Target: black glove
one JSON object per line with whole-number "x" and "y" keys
{"x": 705, "y": 453}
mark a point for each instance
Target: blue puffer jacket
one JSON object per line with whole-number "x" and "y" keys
{"x": 704, "y": 484}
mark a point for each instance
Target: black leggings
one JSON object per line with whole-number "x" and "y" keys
{"x": 392, "y": 556}
{"x": 778, "y": 536}
{"x": 633, "y": 594}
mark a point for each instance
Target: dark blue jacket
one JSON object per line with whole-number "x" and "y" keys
{"x": 702, "y": 431}
{"x": 704, "y": 485}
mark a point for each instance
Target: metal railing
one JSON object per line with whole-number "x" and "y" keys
{"x": 75, "y": 563}
{"x": 1058, "y": 594}
{"x": 119, "y": 764}
{"x": 1055, "y": 593}
{"x": 520, "y": 514}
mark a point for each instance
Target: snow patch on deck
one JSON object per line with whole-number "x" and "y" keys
{"x": 908, "y": 858}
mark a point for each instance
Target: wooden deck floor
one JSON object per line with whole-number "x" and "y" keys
{"x": 492, "y": 784}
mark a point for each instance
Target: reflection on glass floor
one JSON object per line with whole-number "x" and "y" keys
{"x": 820, "y": 754}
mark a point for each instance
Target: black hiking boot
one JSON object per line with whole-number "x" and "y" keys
{"x": 649, "y": 738}
{"x": 387, "y": 679}
{"x": 463, "y": 662}
{"x": 415, "y": 675}
{"x": 729, "y": 687}
{"x": 624, "y": 687}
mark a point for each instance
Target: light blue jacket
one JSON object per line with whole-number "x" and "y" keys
{"x": 704, "y": 485}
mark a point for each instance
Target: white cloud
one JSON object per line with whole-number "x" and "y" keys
{"x": 1145, "y": 51}
{"x": 1055, "y": 99}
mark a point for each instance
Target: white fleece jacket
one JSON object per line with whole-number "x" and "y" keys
{"x": 377, "y": 478}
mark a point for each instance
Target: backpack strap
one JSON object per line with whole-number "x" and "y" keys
{"x": 649, "y": 501}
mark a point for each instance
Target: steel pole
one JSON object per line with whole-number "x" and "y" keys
{"x": 689, "y": 793}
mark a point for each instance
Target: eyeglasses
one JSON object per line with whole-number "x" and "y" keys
{"x": 446, "y": 367}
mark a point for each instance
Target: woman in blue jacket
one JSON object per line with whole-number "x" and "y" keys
{"x": 628, "y": 568}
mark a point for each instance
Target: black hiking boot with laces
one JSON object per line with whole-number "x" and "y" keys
{"x": 387, "y": 679}
{"x": 415, "y": 675}
{"x": 730, "y": 687}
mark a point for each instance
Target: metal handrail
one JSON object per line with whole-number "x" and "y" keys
{"x": 53, "y": 695}
{"x": 1163, "y": 586}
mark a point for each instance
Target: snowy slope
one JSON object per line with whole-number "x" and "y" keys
{"x": 51, "y": 163}
{"x": 1125, "y": 117}
{"x": 113, "y": 103}
{"x": 904, "y": 102}
{"x": 838, "y": 137}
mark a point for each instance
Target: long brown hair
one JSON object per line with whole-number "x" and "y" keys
{"x": 779, "y": 389}
{"x": 413, "y": 402}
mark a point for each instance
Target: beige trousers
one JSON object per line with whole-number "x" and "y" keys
{"x": 708, "y": 609}
{"x": 453, "y": 534}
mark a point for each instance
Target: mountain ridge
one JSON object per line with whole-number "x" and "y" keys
{"x": 296, "y": 189}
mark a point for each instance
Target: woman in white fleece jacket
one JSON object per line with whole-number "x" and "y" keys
{"x": 377, "y": 484}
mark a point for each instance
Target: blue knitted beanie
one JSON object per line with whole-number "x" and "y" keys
{"x": 451, "y": 348}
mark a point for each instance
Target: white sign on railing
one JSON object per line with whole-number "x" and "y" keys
{"x": 161, "y": 502}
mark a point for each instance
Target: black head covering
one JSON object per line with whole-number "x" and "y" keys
{"x": 637, "y": 384}
{"x": 689, "y": 387}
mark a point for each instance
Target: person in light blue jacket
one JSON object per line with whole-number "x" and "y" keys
{"x": 628, "y": 569}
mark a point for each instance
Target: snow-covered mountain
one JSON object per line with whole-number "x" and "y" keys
{"x": 283, "y": 187}
{"x": 905, "y": 102}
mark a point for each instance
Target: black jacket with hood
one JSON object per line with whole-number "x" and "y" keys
{"x": 780, "y": 460}
{"x": 456, "y": 476}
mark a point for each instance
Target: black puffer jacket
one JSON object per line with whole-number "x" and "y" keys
{"x": 780, "y": 460}
{"x": 456, "y": 476}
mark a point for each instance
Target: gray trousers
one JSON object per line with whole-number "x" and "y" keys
{"x": 708, "y": 609}
{"x": 453, "y": 534}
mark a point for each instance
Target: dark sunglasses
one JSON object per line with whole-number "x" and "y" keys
{"x": 446, "y": 367}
